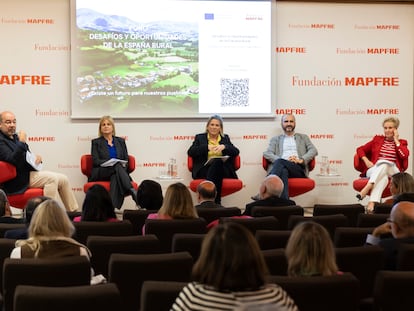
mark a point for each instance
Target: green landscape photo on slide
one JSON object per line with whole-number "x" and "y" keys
{"x": 128, "y": 65}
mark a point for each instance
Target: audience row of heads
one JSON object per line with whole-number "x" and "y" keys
{"x": 230, "y": 257}
{"x": 231, "y": 260}
{"x": 178, "y": 203}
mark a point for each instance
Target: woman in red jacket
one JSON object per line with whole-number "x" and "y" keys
{"x": 383, "y": 156}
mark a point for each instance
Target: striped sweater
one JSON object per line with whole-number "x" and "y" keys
{"x": 196, "y": 296}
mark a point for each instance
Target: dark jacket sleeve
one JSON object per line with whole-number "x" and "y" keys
{"x": 121, "y": 148}
{"x": 14, "y": 152}
{"x": 199, "y": 152}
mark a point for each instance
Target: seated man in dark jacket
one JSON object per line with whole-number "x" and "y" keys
{"x": 206, "y": 194}
{"x": 269, "y": 194}
{"x": 400, "y": 226}
{"x": 21, "y": 234}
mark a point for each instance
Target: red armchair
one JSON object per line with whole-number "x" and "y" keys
{"x": 230, "y": 185}
{"x": 360, "y": 183}
{"x": 86, "y": 168}
{"x": 8, "y": 172}
{"x": 297, "y": 186}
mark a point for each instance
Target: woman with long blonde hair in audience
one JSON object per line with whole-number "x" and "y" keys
{"x": 310, "y": 251}
{"x": 50, "y": 234}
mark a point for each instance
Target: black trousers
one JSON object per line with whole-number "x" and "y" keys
{"x": 215, "y": 172}
{"x": 120, "y": 182}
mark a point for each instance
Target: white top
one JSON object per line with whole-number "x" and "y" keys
{"x": 289, "y": 147}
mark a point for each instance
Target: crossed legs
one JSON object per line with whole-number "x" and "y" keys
{"x": 378, "y": 180}
{"x": 55, "y": 186}
{"x": 285, "y": 170}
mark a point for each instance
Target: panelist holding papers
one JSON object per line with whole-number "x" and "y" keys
{"x": 113, "y": 161}
{"x": 15, "y": 150}
{"x": 110, "y": 162}
{"x": 31, "y": 159}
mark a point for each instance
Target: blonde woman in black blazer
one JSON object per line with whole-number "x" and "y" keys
{"x": 210, "y": 144}
{"x": 105, "y": 147}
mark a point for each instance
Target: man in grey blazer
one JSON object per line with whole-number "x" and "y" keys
{"x": 289, "y": 153}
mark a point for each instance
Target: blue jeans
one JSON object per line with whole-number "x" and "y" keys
{"x": 285, "y": 170}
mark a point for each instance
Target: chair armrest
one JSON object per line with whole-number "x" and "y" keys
{"x": 7, "y": 171}
{"x": 131, "y": 164}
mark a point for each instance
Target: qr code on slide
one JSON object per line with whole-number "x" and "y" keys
{"x": 234, "y": 92}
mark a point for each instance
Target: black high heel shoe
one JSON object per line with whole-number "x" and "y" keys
{"x": 359, "y": 197}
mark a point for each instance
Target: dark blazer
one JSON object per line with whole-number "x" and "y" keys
{"x": 100, "y": 153}
{"x": 13, "y": 151}
{"x": 390, "y": 246}
{"x": 270, "y": 201}
{"x": 199, "y": 152}
{"x": 17, "y": 234}
{"x": 209, "y": 204}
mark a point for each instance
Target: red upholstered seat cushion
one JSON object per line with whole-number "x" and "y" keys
{"x": 86, "y": 168}
{"x": 230, "y": 185}
{"x": 7, "y": 172}
{"x": 360, "y": 183}
{"x": 297, "y": 186}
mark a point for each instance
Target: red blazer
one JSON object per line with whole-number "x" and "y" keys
{"x": 372, "y": 149}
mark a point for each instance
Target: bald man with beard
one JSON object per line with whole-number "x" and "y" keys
{"x": 400, "y": 226}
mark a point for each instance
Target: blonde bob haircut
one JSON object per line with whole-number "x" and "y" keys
{"x": 178, "y": 203}
{"x": 110, "y": 120}
{"x": 392, "y": 120}
{"x": 50, "y": 221}
{"x": 310, "y": 251}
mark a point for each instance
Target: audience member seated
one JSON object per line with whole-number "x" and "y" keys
{"x": 401, "y": 182}
{"x": 178, "y": 204}
{"x": 310, "y": 251}
{"x": 97, "y": 206}
{"x": 407, "y": 196}
{"x": 5, "y": 212}
{"x": 149, "y": 195}
{"x": 50, "y": 233}
{"x": 230, "y": 275}
{"x": 382, "y": 157}
{"x": 206, "y": 194}
{"x": 31, "y": 205}
{"x": 401, "y": 227}
{"x": 270, "y": 191}
{"x": 50, "y": 236}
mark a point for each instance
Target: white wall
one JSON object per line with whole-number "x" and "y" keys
{"x": 337, "y": 117}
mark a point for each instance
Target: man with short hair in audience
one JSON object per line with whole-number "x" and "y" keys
{"x": 400, "y": 225}
{"x": 5, "y": 212}
{"x": 206, "y": 194}
{"x": 31, "y": 205}
{"x": 270, "y": 191}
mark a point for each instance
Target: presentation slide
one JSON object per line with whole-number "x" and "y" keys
{"x": 171, "y": 58}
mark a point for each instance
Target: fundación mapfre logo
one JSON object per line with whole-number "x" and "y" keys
{"x": 47, "y": 139}
{"x": 25, "y": 80}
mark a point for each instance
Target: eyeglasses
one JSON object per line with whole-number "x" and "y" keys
{"x": 390, "y": 220}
